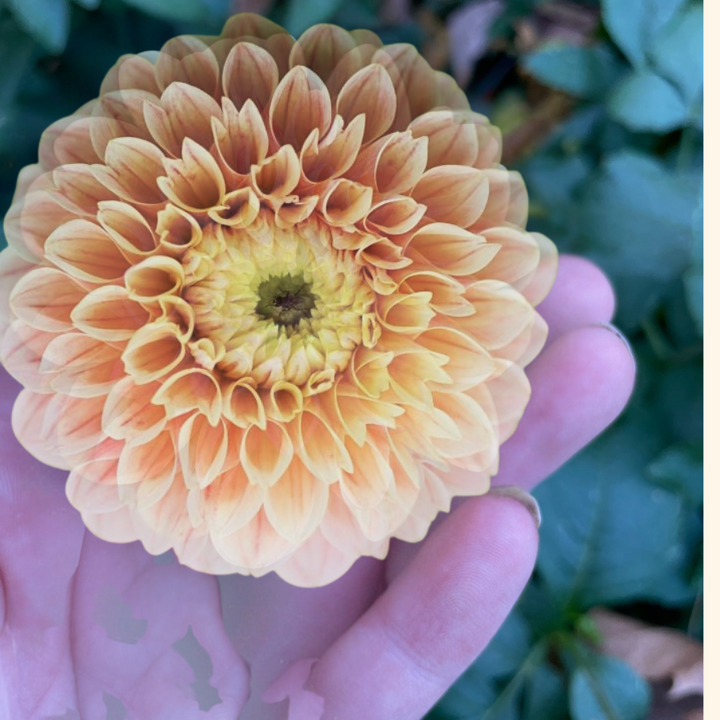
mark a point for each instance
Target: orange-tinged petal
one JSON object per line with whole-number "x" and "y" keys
{"x": 277, "y": 176}
{"x": 319, "y": 447}
{"x": 256, "y": 546}
{"x": 447, "y": 293}
{"x": 67, "y": 141}
{"x": 265, "y": 454}
{"x": 285, "y": 401}
{"x": 131, "y": 72}
{"x": 79, "y": 422}
{"x": 93, "y": 486}
{"x": 335, "y": 155}
{"x": 369, "y": 92}
{"x": 12, "y": 269}
{"x": 406, "y": 313}
{"x": 300, "y": 104}
{"x": 292, "y": 213}
{"x": 345, "y": 202}
{"x": 241, "y": 140}
{"x": 468, "y": 362}
{"x": 451, "y": 249}
{"x": 186, "y": 112}
{"x": 153, "y": 351}
{"x": 79, "y": 189}
{"x": 538, "y": 286}
{"x": 369, "y": 371}
{"x": 231, "y": 501}
{"x": 85, "y": 251}
{"x": 154, "y": 277}
{"x": 242, "y": 405}
{"x": 340, "y": 527}
{"x": 459, "y": 138}
{"x": 453, "y": 193}
{"x": 371, "y": 477}
{"x": 21, "y": 351}
{"x": 296, "y": 503}
{"x": 177, "y": 230}
{"x": 153, "y": 463}
{"x": 239, "y": 208}
{"x": 507, "y": 200}
{"x": 82, "y": 366}
{"x": 187, "y": 59}
{"x": 202, "y": 448}
{"x": 45, "y": 299}
{"x": 30, "y": 221}
{"x": 517, "y": 259}
{"x": 316, "y": 562}
{"x": 394, "y": 216}
{"x": 129, "y": 413}
{"x": 501, "y": 314}
{"x": 168, "y": 515}
{"x": 509, "y": 392}
{"x": 108, "y": 313}
{"x": 195, "y": 182}
{"x": 382, "y": 253}
{"x": 250, "y": 73}
{"x": 188, "y": 390}
{"x": 133, "y": 168}
{"x": 128, "y": 228}
{"x": 322, "y": 48}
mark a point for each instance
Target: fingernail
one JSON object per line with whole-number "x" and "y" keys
{"x": 615, "y": 331}
{"x": 522, "y": 496}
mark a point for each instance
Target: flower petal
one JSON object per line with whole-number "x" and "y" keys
{"x": 265, "y": 454}
{"x": 108, "y": 313}
{"x": 296, "y": 503}
{"x": 85, "y": 251}
{"x": 45, "y": 298}
{"x": 300, "y": 104}
{"x": 202, "y": 448}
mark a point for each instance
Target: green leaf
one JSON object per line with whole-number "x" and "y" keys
{"x": 646, "y": 102}
{"x": 48, "y": 21}
{"x": 182, "y": 10}
{"x": 301, "y": 14}
{"x": 636, "y": 223}
{"x": 578, "y": 71}
{"x": 693, "y": 278}
{"x": 608, "y": 535}
{"x": 633, "y": 23}
{"x": 678, "y": 51}
{"x": 608, "y": 689}
{"x": 546, "y": 695}
{"x": 680, "y": 468}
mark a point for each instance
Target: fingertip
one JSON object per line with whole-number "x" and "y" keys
{"x": 508, "y": 540}
{"x": 581, "y": 295}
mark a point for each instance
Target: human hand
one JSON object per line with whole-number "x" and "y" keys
{"x": 88, "y": 624}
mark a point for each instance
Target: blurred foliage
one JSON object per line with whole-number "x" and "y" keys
{"x": 601, "y": 105}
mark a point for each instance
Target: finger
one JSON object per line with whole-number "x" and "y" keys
{"x": 581, "y": 295}
{"x": 40, "y": 546}
{"x": 291, "y": 623}
{"x": 151, "y": 636}
{"x": 580, "y": 384}
{"x": 421, "y": 634}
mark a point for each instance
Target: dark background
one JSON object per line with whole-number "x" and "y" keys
{"x": 600, "y": 103}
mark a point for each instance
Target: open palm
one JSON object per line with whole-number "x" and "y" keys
{"x": 93, "y": 630}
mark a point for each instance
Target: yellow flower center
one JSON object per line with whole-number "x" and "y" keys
{"x": 276, "y": 304}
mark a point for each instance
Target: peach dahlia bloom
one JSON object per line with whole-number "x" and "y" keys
{"x": 271, "y": 300}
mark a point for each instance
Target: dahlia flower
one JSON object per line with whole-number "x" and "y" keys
{"x": 271, "y": 300}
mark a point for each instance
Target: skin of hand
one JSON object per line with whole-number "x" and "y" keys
{"x": 93, "y": 630}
